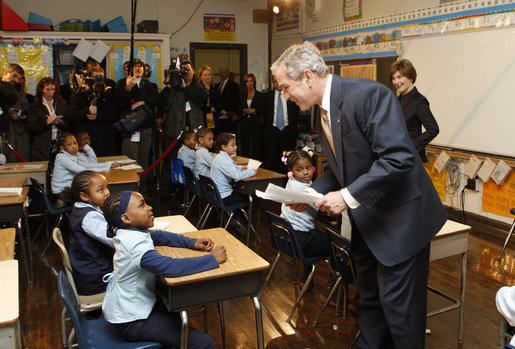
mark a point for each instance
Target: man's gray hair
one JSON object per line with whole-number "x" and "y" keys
{"x": 300, "y": 57}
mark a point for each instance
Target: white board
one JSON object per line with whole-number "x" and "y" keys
{"x": 469, "y": 80}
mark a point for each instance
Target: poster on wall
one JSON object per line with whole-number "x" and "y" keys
{"x": 149, "y": 54}
{"x": 499, "y": 199}
{"x": 288, "y": 18}
{"x": 35, "y": 60}
{"x": 352, "y": 9}
{"x": 219, "y": 27}
{"x": 361, "y": 69}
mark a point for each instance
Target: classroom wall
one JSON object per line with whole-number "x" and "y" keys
{"x": 330, "y": 20}
{"x": 171, "y": 14}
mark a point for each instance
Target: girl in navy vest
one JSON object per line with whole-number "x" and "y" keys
{"x": 91, "y": 251}
{"x": 130, "y": 303}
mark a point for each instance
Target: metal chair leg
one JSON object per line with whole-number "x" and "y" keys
{"x": 56, "y": 224}
{"x": 304, "y": 289}
{"x": 269, "y": 275}
{"x": 206, "y": 217}
{"x": 506, "y": 241}
{"x": 251, "y": 226}
{"x": 331, "y": 294}
{"x": 220, "y": 306}
{"x": 190, "y": 204}
{"x": 355, "y": 340}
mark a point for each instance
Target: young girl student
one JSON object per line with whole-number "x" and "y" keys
{"x": 187, "y": 152}
{"x": 91, "y": 251}
{"x": 313, "y": 242}
{"x": 203, "y": 158}
{"x": 66, "y": 165}
{"x": 86, "y": 154}
{"x": 224, "y": 171}
{"x": 130, "y": 303}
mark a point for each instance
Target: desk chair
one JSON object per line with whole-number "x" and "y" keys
{"x": 283, "y": 239}
{"x": 512, "y": 211}
{"x": 177, "y": 176}
{"x": 342, "y": 267}
{"x": 93, "y": 333}
{"x": 215, "y": 199}
{"x": 50, "y": 210}
{"x": 193, "y": 186}
{"x": 85, "y": 303}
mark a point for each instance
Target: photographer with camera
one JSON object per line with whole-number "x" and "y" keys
{"x": 93, "y": 109}
{"x": 18, "y": 135}
{"x": 182, "y": 108}
{"x": 136, "y": 94}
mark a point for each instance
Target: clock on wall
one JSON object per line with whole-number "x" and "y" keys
{"x": 312, "y": 7}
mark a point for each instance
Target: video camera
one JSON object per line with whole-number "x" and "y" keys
{"x": 174, "y": 75}
{"x": 90, "y": 83}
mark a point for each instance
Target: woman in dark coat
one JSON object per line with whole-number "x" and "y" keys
{"x": 252, "y": 106}
{"x": 45, "y": 118}
{"x": 414, "y": 105}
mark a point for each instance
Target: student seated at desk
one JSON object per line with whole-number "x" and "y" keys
{"x": 86, "y": 154}
{"x": 203, "y": 158}
{"x": 224, "y": 172}
{"x": 130, "y": 303}
{"x": 300, "y": 173}
{"x": 187, "y": 152}
{"x": 66, "y": 165}
{"x": 91, "y": 251}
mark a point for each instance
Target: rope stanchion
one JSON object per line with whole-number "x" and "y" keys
{"x": 15, "y": 152}
{"x": 174, "y": 143}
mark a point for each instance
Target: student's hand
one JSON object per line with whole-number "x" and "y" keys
{"x": 298, "y": 207}
{"x": 204, "y": 244}
{"x": 243, "y": 167}
{"x": 219, "y": 253}
{"x": 115, "y": 165}
{"x": 332, "y": 203}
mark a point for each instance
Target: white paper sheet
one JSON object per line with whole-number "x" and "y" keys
{"x": 83, "y": 50}
{"x": 130, "y": 167}
{"x": 126, "y": 161}
{"x": 10, "y": 191}
{"x": 278, "y": 194}
{"x": 99, "y": 51}
{"x": 160, "y": 225}
{"x": 253, "y": 164}
{"x": 33, "y": 166}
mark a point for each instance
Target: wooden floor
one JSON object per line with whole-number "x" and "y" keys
{"x": 40, "y": 305}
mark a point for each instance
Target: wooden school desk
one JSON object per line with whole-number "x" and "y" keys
{"x": 124, "y": 161}
{"x": 12, "y": 210}
{"x": 178, "y": 224}
{"x": 120, "y": 180}
{"x": 239, "y": 276}
{"x": 7, "y": 238}
{"x": 34, "y": 169}
{"x": 10, "y": 328}
{"x": 452, "y": 240}
{"x": 241, "y": 160}
{"x": 259, "y": 182}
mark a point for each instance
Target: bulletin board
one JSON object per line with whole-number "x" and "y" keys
{"x": 499, "y": 199}
{"x": 438, "y": 178}
{"x": 36, "y": 61}
{"x": 148, "y": 53}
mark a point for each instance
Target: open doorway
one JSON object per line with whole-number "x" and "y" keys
{"x": 232, "y": 56}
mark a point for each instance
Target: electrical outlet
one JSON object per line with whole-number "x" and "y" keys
{"x": 471, "y": 184}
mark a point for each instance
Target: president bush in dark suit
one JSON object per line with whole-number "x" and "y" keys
{"x": 376, "y": 175}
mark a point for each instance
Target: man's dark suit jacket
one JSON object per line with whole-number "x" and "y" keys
{"x": 228, "y": 100}
{"x": 400, "y": 211}
{"x": 268, "y": 121}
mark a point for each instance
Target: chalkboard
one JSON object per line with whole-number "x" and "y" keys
{"x": 469, "y": 78}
